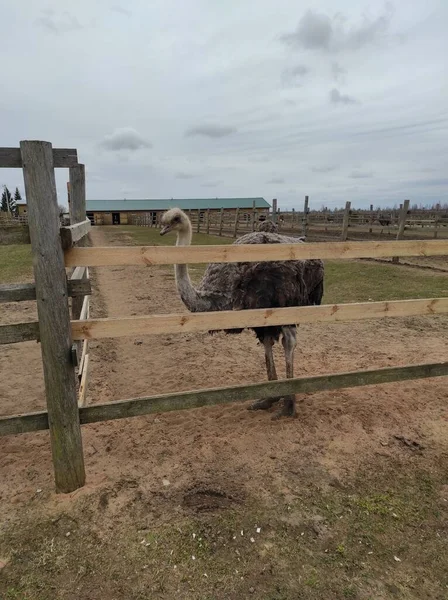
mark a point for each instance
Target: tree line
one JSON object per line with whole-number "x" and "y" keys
{"x": 9, "y": 202}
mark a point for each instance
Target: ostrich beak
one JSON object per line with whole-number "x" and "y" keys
{"x": 165, "y": 229}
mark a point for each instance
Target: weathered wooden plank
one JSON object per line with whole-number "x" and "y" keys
{"x": 78, "y": 288}
{"x": 78, "y": 273}
{"x": 74, "y": 233}
{"x": 62, "y": 157}
{"x": 85, "y": 309}
{"x": 210, "y": 397}
{"x": 19, "y": 292}
{"x": 14, "y": 234}
{"x": 346, "y": 221}
{"x": 159, "y": 255}
{"x": 54, "y": 316}
{"x": 84, "y": 382}
{"x": 19, "y": 332}
{"x": 235, "y": 319}
{"x": 401, "y": 225}
{"x": 85, "y": 348}
{"x": 305, "y": 217}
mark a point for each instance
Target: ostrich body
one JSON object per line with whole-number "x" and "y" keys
{"x": 239, "y": 286}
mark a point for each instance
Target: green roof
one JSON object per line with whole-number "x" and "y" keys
{"x": 184, "y": 203}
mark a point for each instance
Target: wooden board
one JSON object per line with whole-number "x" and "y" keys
{"x": 19, "y": 292}
{"x": 74, "y": 233}
{"x": 159, "y": 255}
{"x": 189, "y": 322}
{"x": 209, "y": 397}
{"x": 62, "y": 157}
{"x": 82, "y": 397}
{"x": 19, "y": 332}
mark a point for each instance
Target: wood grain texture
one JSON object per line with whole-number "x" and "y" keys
{"x": 84, "y": 382}
{"x": 74, "y": 233}
{"x": 19, "y": 332}
{"x": 159, "y": 255}
{"x": 19, "y": 292}
{"x": 62, "y": 157}
{"x": 54, "y": 316}
{"x": 193, "y": 322}
{"x": 210, "y": 397}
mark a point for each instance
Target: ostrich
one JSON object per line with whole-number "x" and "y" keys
{"x": 239, "y": 286}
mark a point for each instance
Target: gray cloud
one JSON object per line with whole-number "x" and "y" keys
{"x": 58, "y": 22}
{"x": 182, "y": 175}
{"x": 361, "y": 175}
{"x": 124, "y": 138}
{"x": 338, "y": 72}
{"x": 317, "y": 31}
{"x": 293, "y": 77}
{"x": 337, "y": 98}
{"x": 211, "y": 131}
{"x": 324, "y": 168}
{"x": 210, "y": 184}
{"x": 276, "y": 180}
{"x": 120, "y": 9}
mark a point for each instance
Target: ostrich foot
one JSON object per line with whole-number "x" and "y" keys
{"x": 288, "y": 409}
{"x": 264, "y": 404}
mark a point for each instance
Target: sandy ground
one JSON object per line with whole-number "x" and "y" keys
{"x": 220, "y": 448}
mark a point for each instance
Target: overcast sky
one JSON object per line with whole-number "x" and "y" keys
{"x": 342, "y": 100}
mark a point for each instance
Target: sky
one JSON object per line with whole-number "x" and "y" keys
{"x": 206, "y": 98}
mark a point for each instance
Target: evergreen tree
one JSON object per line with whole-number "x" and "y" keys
{"x": 7, "y": 203}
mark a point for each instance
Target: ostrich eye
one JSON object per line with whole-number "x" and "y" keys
{"x": 176, "y": 220}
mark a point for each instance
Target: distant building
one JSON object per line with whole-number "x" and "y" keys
{"x": 120, "y": 212}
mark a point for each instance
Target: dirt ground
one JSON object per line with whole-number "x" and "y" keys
{"x": 148, "y": 471}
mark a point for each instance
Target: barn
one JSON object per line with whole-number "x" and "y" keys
{"x": 123, "y": 212}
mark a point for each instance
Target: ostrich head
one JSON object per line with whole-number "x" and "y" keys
{"x": 175, "y": 220}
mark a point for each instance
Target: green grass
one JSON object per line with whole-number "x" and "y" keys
{"x": 15, "y": 264}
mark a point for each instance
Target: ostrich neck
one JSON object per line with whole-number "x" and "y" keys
{"x": 187, "y": 292}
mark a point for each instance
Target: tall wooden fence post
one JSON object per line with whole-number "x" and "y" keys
{"x": 305, "y": 217}
{"x": 254, "y": 215}
{"x": 198, "y": 227}
{"x": 77, "y": 214}
{"x": 346, "y": 221}
{"x": 274, "y": 210}
{"x": 235, "y": 226}
{"x": 221, "y": 217}
{"x": 401, "y": 225}
{"x": 54, "y": 315}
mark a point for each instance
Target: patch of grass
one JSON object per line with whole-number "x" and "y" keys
{"x": 357, "y": 281}
{"x": 204, "y": 555}
{"x": 15, "y": 263}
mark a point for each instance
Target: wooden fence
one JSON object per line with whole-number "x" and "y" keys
{"x": 320, "y": 224}
{"x": 56, "y": 249}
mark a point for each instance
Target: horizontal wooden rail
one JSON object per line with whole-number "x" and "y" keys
{"x": 73, "y": 233}
{"x": 209, "y": 397}
{"x": 19, "y": 332}
{"x": 189, "y": 322}
{"x": 18, "y": 292}
{"x": 62, "y": 157}
{"x": 159, "y": 255}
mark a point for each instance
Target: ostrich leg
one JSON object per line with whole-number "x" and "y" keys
{"x": 289, "y": 343}
{"x": 266, "y": 403}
